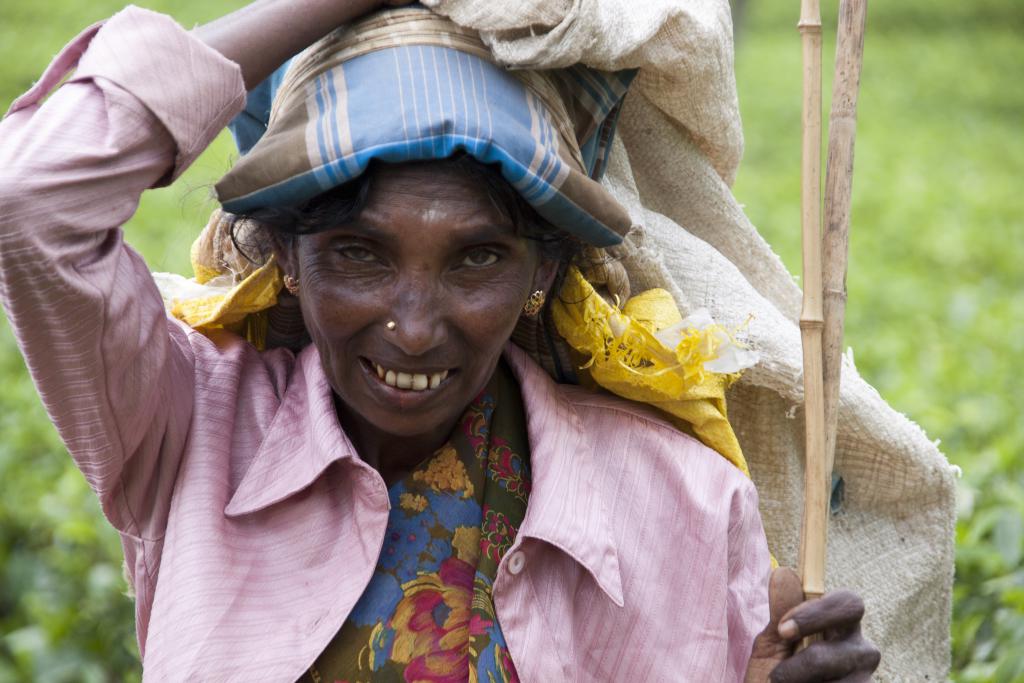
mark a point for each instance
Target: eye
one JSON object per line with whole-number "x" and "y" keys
{"x": 359, "y": 254}
{"x": 479, "y": 258}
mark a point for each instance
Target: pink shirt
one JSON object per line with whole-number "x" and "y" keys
{"x": 240, "y": 501}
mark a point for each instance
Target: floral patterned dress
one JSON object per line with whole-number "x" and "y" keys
{"x": 427, "y": 613}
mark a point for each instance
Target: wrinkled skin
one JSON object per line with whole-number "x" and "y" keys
{"x": 842, "y": 654}
{"x": 431, "y": 252}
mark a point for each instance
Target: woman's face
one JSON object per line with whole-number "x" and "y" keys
{"x": 432, "y": 253}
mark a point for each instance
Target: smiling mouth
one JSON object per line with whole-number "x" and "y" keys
{"x": 409, "y": 381}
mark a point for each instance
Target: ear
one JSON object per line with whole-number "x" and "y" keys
{"x": 544, "y": 276}
{"x": 285, "y": 247}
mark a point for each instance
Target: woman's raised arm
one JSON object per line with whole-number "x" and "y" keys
{"x": 143, "y": 100}
{"x": 261, "y": 36}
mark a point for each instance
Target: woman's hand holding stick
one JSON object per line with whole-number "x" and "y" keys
{"x": 839, "y": 652}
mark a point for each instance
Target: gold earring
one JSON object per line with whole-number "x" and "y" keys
{"x": 531, "y": 309}
{"x": 292, "y": 285}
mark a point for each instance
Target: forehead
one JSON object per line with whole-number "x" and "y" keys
{"x": 437, "y": 196}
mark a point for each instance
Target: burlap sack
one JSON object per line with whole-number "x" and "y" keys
{"x": 679, "y": 145}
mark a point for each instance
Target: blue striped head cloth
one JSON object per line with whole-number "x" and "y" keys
{"x": 407, "y": 85}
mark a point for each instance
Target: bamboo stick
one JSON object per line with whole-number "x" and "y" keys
{"x": 838, "y": 193}
{"x": 813, "y": 529}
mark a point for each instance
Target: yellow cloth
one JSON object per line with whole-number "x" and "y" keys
{"x": 236, "y": 310}
{"x": 626, "y": 358}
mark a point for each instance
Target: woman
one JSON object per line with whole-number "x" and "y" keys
{"x": 410, "y": 496}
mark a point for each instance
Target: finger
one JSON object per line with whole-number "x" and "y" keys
{"x": 784, "y": 593}
{"x": 869, "y": 661}
{"x": 827, "y": 661}
{"x": 839, "y": 612}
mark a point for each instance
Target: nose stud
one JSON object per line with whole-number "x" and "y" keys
{"x": 391, "y": 325}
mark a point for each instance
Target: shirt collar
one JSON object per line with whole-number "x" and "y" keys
{"x": 302, "y": 440}
{"x": 305, "y": 437}
{"x": 565, "y": 509}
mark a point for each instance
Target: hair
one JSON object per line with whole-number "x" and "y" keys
{"x": 253, "y": 233}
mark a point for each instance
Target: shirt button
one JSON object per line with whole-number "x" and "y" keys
{"x": 516, "y": 562}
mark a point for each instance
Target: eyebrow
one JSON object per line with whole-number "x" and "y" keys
{"x": 364, "y": 230}
{"x": 476, "y": 234}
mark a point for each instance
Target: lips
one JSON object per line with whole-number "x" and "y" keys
{"x": 409, "y": 381}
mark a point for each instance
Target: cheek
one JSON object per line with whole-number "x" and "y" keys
{"x": 333, "y": 298}
{"x": 334, "y": 314}
{"x": 489, "y": 312}
{"x": 482, "y": 324}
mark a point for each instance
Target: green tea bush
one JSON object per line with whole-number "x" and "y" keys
{"x": 935, "y": 313}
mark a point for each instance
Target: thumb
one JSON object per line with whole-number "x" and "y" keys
{"x": 785, "y": 591}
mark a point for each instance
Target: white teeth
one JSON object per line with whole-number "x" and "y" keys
{"x": 410, "y": 381}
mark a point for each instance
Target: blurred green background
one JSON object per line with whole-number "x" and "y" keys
{"x": 935, "y": 313}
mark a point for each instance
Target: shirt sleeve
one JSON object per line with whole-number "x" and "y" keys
{"x": 749, "y": 572}
{"x": 142, "y": 101}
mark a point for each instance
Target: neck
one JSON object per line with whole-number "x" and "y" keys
{"x": 393, "y": 455}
